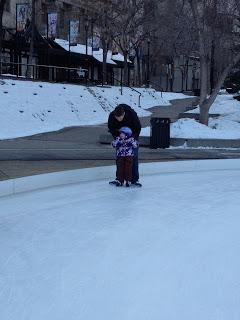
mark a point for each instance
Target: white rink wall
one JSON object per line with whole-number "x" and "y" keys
{"x": 31, "y": 183}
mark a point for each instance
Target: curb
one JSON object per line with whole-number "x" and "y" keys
{"x": 177, "y": 142}
{"x": 195, "y": 115}
{"x": 47, "y": 180}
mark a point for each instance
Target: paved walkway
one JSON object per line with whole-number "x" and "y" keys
{"x": 78, "y": 147}
{"x": 172, "y": 111}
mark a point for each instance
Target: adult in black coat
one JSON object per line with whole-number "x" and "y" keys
{"x": 125, "y": 116}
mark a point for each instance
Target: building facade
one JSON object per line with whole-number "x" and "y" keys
{"x": 65, "y": 9}
{"x": 47, "y": 51}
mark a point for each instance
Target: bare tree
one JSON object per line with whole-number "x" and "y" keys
{"x": 131, "y": 26}
{"x": 120, "y": 22}
{"x": 214, "y": 20}
{"x": 173, "y": 37}
{"x": 101, "y": 11}
{"x": 105, "y": 19}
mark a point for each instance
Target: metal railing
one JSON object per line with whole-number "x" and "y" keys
{"x": 156, "y": 85}
{"x": 122, "y": 84}
{"x": 49, "y": 73}
{"x": 52, "y": 73}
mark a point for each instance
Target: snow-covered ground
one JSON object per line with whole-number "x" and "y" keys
{"x": 90, "y": 251}
{"x": 34, "y": 107}
{"x": 226, "y": 126}
{"x": 223, "y": 105}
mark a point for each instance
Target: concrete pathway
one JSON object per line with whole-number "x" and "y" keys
{"x": 178, "y": 106}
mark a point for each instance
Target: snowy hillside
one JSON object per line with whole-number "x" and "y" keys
{"x": 28, "y": 108}
{"x": 33, "y": 107}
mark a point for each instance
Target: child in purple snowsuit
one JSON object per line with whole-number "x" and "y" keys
{"x": 124, "y": 145}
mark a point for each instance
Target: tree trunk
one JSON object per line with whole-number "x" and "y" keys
{"x": 203, "y": 79}
{"x": 204, "y": 112}
{"x": 125, "y": 69}
{"x": 212, "y": 66}
{"x": 31, "y": 49}
{"x": 139, "y": 78}
{"x": 207, "y": 102}
{"x": 2, "y": 4}
{"x": 1, "y": 37}
{"x": 104, "y": 66}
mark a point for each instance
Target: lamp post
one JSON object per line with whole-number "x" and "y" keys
{"x": 92, "y": 36}
{"x": 86, "y": 43}
{"x": 86, "y": 34}
{"x": 148, "y": 62}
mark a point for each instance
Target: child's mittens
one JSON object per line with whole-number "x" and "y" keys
{"x": 117, "y": 142}
{"x": 131, "y": 143}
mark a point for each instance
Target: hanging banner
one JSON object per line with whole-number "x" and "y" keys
{"x": 22, "y": 16}
{"x": 73, "y": 32}
{"x": 89, "y": 42}
{"x": 52, "y": 25}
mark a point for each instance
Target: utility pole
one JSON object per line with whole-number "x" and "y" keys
{"x": 2, "y": 5}
{"x": 86, "y": 44}
{"x": 31, "y": 49}
{"x": 148, "y": 62}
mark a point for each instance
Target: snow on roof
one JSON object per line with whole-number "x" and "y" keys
{"x": 119, "y": 57}
{"x": 81, "y": 48}
{"x": 98, "y": 55}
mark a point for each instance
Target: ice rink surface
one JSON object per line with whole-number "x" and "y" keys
{"x": 90, "y": 251}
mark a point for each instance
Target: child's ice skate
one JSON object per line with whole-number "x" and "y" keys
{"x": 114, "y": 182}
{"x": 118, "y": 184}
{"x": 136, "y": 184}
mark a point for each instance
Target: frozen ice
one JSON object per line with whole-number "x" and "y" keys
{"x": 169, "y": 250}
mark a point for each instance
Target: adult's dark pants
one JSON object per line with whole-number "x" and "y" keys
{"x": 135, "y": 172}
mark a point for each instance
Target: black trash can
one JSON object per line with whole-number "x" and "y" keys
{"x": 160, "y": 133}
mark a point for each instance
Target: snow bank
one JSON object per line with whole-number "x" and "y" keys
{"x": 223, "y": 105}
{"x": 226, "y": 126}
{"x": 219, "y": 128}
